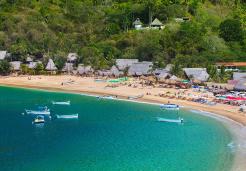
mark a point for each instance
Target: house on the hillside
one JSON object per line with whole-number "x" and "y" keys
{"x": 3, "y": 55}
{"x": 72, "y": 57}
{"x": 181, "y": 20}
{"x": 123, "y": 64}
{"x": 85, "y": 70}
{"x": 140, "y": 68}
{"x": 115, "y": 71}
{"x": 156, "y": 24}
{"x": 16, "y": 65}
{"x": 138, "y": 25}
{"x": 51, "y": 66}
{"x": 230, "y": 66}
{"x": 199, "y": 74}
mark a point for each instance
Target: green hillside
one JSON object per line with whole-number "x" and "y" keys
{"x": 102, "y": 30}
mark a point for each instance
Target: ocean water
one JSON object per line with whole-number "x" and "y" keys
{"x": 109, "y": 135}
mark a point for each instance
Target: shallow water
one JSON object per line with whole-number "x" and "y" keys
{"x": 109, "y": 135}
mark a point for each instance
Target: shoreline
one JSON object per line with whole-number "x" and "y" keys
{"x": 88, "y": 86}
{"x": 238, "y": 133}
{"x": 236, "y": 129}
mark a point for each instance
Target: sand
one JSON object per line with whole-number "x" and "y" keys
{"x": 229, "y": 115}
{"x": 88, "y": 85}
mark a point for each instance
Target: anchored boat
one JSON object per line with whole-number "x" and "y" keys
{"x": 44, "y": 111}
{"x": 73, "y": 116}
{"x": 170, "y": 106}
{"x": 135, "y": 97}
{"x": 38, "y": 120}
{"x": 107, "y": 97}
{"x": 179, "y": 120}
{"x": 61, "y": 103}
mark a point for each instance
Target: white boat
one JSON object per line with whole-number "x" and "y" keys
{"x": 170, "y": 106}
{"x": 73, "y": 116}
{"x": 44, "y": 111}
{"x": 38, "y": 120}
{"x": 135, "y": 97}
{"x": 61, "y": 103}
{"x": 179, "y": 120}
{"x": 107, "y": 97}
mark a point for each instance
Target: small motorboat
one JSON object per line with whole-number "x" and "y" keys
{"x": 43, "y": 111}
{"x": 170, "y": 106}
{"x": 107, "y": 97}
{"x": 61, "y": 103}
{"x": 38, "y": 120}
{"x": 73, "y": 116}
{"x": 135, "y": 97}
{"x": 179, "y": 120}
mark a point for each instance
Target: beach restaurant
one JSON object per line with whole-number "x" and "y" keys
{"x": 231, "y": 66}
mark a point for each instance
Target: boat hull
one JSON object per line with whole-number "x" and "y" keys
{"x": 61, "y": 103}
{"x": 170, "y": 107}
{"x": 75, "y": 116}
{"x": 33, "y": 112}
{"x": 180, "y": 120}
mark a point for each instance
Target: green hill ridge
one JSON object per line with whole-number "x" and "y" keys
{"x": 102, "y": 30}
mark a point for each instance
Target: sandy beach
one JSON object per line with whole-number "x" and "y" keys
{"x": 226, "y": 113}
{"x": 89, "y": 86}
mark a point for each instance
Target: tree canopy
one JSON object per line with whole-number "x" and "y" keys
{"x": 101, "y": 30}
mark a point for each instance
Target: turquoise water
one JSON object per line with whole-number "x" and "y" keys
{"x": 109, "y": 135}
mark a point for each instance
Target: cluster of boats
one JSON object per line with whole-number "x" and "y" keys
{"x": 169, "y": 106}
{"x": 42, "y": 112}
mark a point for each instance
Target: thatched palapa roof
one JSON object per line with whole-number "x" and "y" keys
{"x": 239, "y": 75}
{"x": 68, "y": 67}
{"x": 156, "y": 22}
{"x": 16, "y": 65}
{"x": 124, "y": 63}
{"x": 51, "y": 65}
{"x": 85, "y": 69}
{"x": 241, "y": 85}
{"x": 104, "y": 72}
{"x": 197, "y": 74}
{"x": 32, "y": 65}
{"x": 3, "y": 55}
{"x": 72, "y": 57}
{"x": 140, "y": 68}
{"x": 114, "y": 71}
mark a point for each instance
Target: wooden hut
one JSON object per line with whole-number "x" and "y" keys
{"x": 72, "y": 57}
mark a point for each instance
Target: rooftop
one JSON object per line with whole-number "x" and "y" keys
{"x": 237, "y": 64}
